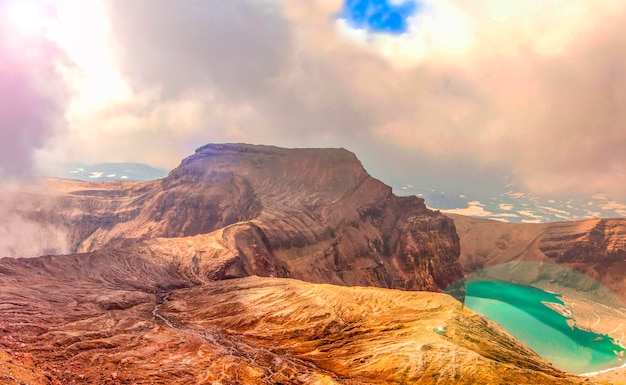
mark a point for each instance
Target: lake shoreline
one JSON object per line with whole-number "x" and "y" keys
{"x": 591, "y": 374}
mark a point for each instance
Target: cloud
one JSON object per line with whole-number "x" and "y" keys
{"x": 524, "y": 92}
{"x": 531, "y": 214}
{"x": 477, "y": 209}
{"x": 428, "y": 28}
{"x": 22, "y": 238}
{"x": 557, "y": 213}
{"x": 613, "y": 206}
{"x": 235, "y": 46}
{"x": 25, "y": 235}
{"x": 210, "y": 71}
{"x": 32, "y": 91}
{"x": 473, "y": 209}
{"x": 535, "y": 91}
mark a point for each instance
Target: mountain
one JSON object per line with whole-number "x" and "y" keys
{"x": 595, "y": 247}
{"x": 126, "y": 316}
{"x": 313, "y": 214}
{"x": 246, "y": 264}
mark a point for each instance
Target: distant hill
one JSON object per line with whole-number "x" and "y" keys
{"x": 102, "y": 172}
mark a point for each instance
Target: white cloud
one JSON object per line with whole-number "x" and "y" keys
{"x": 476, "y": 209}
{"x": 24, "y": 238}
{"x": 531, "y": 214}
{"x": 473, "y": 210}
{"x": 555, "y": 211}
{"x": 613, "y": 206}
{"x": 438, "y": 28}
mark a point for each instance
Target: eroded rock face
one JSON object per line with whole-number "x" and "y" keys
{"x": 312, "y": 214}
{"x": 19, "y": 368}
{"x": 592, "y": 241}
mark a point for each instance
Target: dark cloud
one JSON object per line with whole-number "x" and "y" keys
{"x": 32, "y": 99}
{"x": 234, "y": 45}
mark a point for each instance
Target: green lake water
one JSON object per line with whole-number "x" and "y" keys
{"x": 519, "y": 309}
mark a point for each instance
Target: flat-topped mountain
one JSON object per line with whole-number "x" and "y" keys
{"x": 313, "y": 214}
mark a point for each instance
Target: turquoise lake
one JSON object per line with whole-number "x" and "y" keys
{"x": 519, "y": 309}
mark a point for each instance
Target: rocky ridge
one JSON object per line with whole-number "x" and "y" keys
{"x": 119, "y": 317}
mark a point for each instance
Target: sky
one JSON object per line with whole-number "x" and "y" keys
{"x": 453, "y": 94}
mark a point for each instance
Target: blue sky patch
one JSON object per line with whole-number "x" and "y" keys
{"x": 378, "y": 15}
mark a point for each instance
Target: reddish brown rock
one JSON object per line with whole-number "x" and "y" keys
{"x": 312, "y": 214}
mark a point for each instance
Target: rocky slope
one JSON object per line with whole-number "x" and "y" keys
{"x": 313, "y": 214}
{"x": 127, "y": 316}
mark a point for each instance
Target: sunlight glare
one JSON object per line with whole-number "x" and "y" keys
{"x": 82, "y": 30}
{"x": 28, "y": 17}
